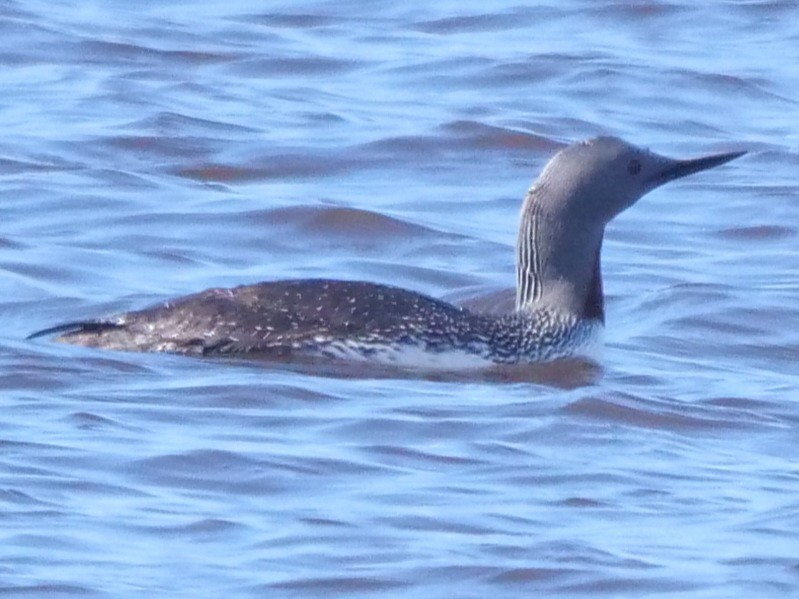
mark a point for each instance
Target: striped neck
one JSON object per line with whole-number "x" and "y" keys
{"x": 558, "y": 264}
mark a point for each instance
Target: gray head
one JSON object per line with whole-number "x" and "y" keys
{"x": 581, "y": 190}
{"x": 601, "y": 177}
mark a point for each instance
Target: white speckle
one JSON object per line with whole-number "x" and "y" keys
{"x": 403, "y": 356}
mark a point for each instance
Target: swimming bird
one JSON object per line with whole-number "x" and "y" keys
{"x": 559, "y": 300}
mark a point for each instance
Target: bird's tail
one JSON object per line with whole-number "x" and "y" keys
{"x": 80, "y": 326}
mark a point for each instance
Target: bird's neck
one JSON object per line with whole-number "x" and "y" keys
{"x": 558, "y": 262}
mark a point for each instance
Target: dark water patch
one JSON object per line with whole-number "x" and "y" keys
{"x": 171, "y": 222}
{"x": 408, "y": 457}
{"x": 41, "y": 449}
{"x": 787, "y": 564}
{"x": 353, "y": 224}
{"x": 743, "y": 87}
{"x": 535, "y": 69}
{"x": 114, "y": 364}
{"x": 292, "y": 20}
{"x": 627, "y": 409}
{"x": 294, "y": 67}
{"x": 104, "y": 52}
{"x": 245, "y": 396}
{"x": 758, "y": 233}
{"x": 18, "y": 498}
{"x": 438, "y": 525}
{"x": 83, "y": 207}
{"x": 630, "y": 585}
{"x": 489, "y": 137}
{"x": 524, "y": 576}
{"x": 89, "y": 421}
{"x": 741, "y": 403}
{"x": 636, "y": 379}
{"x": 88, "y": 489}
{"x": 458, "y": 573}
{"x": 640, "y": 11}
{"x": 458, "y": 136}
{"x": 228, "y": 472}
{"x": 281, "y": 166}
{"x": 9, "y": 166}
{"x": 444, "y": 69}
{"x": 48, "y": 590}
{"x": 32, "y": 270}
{"x": 30, "y": 58}
{"x": 198, "y": 530}
{"x": 574, "y": 553}
{"x": 747, "y": 409}
{"x": 481, "y": 22}
{"x": 196, "y": 57}
{"x": 325, "y": 522}
{"x": 11, "y": 244}
{"x": 171, "y": 256}
{"x": 212, "y": 470}
{"x": 78, "y": 364}
{"x": 33, "y": 540}
{"x": 377, "y": 428}
{"x": 545, "y": 479}
{"x": 568, "y": 373}
{"x": 501, "y": 449}
{"x": 161, "y": 146}
{"x": 169, "y": 123}
{"x": 339, "y": 584}
{"x": 581, "y": 502}
{"x": 124, "y": 179}
{"x": 16, "y": 17}
{"x": 42, "y": 515}
{"x": 414, "y": 145}
{"x": 702, "y": 324}
{"x": 687, "y": 298}
{"x": 431, "y": 278}
{"x": 324, "y": 118}
{"x": 772, "y": 10}
{"x": 33, "y": 377}
{"x": 324, "y": 467}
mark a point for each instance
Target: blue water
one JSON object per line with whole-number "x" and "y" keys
{"x": 155, "y": 149}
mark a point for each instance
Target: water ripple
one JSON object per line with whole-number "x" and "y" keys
{"x": 152, "y": 150}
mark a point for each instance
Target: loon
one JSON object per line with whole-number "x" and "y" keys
{"x": 559, "y": 307}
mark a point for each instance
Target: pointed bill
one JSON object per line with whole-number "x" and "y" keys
{"x": 676, "y": 169}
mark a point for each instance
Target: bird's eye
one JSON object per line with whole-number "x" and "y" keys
{"x": 634, "y": 166}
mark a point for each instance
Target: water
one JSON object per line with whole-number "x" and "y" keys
{"x": 155, "y": 149}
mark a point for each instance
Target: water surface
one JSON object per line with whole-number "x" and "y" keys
{"x": 157, "y": 149}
